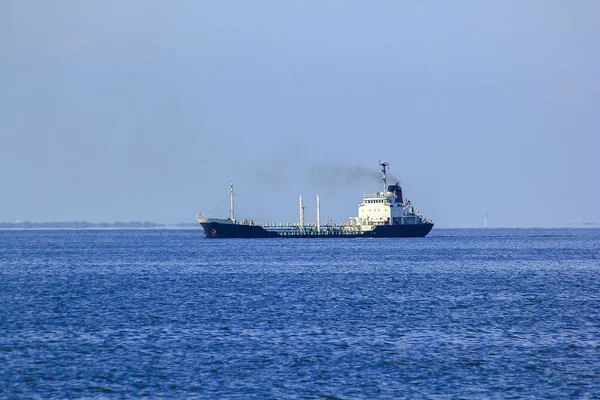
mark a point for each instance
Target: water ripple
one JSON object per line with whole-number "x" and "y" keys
{"x": 167, "y": 314}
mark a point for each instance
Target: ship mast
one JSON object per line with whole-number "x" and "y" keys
{"x": 318, "y": 214}
{"x": 231, "y": 210}
{"x": 301, "y": 214}
{"x": 384, "y": 165}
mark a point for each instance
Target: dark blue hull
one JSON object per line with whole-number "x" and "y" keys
{"x": 220, "y": 230}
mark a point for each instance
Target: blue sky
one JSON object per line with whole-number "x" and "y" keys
{"x": 144, "y": 110}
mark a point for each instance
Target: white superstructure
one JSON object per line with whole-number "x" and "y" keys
{"x": 386, "y": 207}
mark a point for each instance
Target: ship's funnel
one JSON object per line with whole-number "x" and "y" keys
{"x": 397, "y": 190}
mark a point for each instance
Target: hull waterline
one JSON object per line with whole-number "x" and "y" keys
{"x": 216, "y": 230}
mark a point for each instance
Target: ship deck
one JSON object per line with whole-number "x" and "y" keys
{"x": 290, "y": 229}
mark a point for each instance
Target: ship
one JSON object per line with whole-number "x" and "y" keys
{"x": 381, "y": 214}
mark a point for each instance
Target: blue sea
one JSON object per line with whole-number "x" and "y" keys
{"x": 460, "y": 314}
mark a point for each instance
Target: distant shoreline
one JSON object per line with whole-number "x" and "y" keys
{"x": 96, "y": 225}
{"x": 133, "y": 225}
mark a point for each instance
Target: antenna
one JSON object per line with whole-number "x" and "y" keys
{"x": 231, "y": 210}
{"x": 384, "y": 165}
